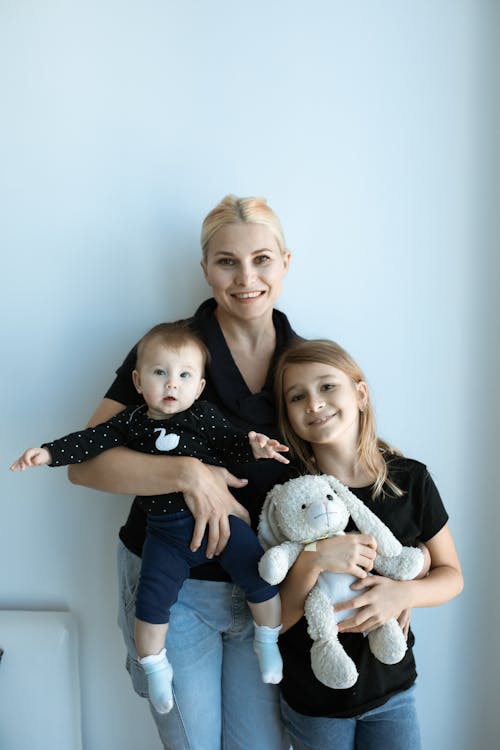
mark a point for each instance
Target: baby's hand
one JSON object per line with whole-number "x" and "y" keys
{"x": 32, "y": 457}
{"x": 265, "y": 447}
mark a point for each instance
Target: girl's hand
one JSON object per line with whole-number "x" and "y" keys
{"x": 348, "y": 553}
{"x": 427, "y": 560}
{"x": 209, "y": 500}
{"x": 353, "y": 554}
{"x": 405, "y": 616}
{"x": 404, "y": 621}
{"x": 32, "y": 457}
{"x": 265, "y": 447}
{"x": 382, "y": 600}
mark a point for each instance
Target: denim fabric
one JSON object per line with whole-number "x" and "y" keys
{"x": 221, "y": 702}
{"x": 393, "y": 726}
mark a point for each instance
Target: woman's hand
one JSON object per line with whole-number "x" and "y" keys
{"x": 380, "y": 600}
{"x": 209, "y": 500}
{"x": 348, "y": 553}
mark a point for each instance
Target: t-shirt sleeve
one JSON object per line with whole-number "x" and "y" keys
{"x": 434, "y": 515}
{"x": 85, "y": 444}
{"x": 122, "y": 388}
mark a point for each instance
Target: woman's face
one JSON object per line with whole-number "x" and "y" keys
{"x": 245, "y": 268}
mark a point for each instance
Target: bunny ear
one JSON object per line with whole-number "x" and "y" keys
{"x": 366, "y": 521}
{"x": 337, "y": 486}
{"x": 269, "y": 532}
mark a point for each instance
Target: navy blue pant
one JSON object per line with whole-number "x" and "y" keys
{"x": 167, "y": 559}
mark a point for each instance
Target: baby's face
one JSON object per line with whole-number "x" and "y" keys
{"x": 169, "y": 379}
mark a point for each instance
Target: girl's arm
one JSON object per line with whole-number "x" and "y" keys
{"x": 385, "y": 598}
{"x": 404, "y": 617}
{"x": 124, "y": 471}
{"x": 351, "y": 553}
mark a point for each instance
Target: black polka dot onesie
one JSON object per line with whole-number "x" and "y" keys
{"x": 201, "y": 432}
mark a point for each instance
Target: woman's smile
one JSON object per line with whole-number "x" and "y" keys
{"x": 245, "y": 268}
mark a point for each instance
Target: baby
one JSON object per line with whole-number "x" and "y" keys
{"x": 169, "y": 374}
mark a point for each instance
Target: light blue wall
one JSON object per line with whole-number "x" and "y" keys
{"x": 368, "y": 126}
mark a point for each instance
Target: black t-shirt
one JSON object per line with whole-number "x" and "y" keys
{"x": 226, "y": 389}
{"x": 416, "y": 516}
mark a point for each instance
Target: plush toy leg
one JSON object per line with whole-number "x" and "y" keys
{"x": 159, "y": 674}
{"x": 388, "y": 643}
{"x": 330, "y": 663}
{"x": 265, "y": 645}
{"x": 402, "y": 567}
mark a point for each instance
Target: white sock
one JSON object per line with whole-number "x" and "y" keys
{"x": 159, "y": 674}
{"x": 265, "y": 645}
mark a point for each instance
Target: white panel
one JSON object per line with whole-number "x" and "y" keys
{"x": 39, "y": 681}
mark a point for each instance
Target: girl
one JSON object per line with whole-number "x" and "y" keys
{"x": 327, "y": 419}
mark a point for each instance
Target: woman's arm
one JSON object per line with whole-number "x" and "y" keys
{"x": 124, "y": 471}
{"x": 351, "y": 553}
{"x": 385, "y": 598}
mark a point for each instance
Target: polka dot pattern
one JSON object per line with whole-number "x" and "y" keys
{"x": 202, "y": 430}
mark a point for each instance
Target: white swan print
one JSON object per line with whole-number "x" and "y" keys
{"x": 166, "y": 442}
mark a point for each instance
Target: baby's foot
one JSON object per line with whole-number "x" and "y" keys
{"x": 159, "y": 674}
{"x": 265, "y": 645}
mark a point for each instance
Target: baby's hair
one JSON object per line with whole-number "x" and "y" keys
{"x": 235, "y": 210}
{"x": 370, "y": 448}
{"x": 174, "y": 335}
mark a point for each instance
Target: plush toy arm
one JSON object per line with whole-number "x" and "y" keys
{"x": 366, "y": 521}
{"x": 277, "y": 561}
{"x": 403, "y": 567}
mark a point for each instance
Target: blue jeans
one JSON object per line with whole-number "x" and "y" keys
{"x": 220, "y": 699}
{"x": 393, "y": 726}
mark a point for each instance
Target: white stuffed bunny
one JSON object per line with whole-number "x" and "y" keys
{"x": 296, "y": 515}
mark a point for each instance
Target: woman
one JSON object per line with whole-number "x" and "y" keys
{"x": 219, "y": 697}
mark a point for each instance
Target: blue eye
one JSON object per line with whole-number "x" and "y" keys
{"x": 159, "y": 371}
{"x": 185, "y": 374}
{"x": 260, "y": 259}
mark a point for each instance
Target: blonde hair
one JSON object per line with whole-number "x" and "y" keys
{"x": 234, "y": 210}
{"x": 370, "y": 447}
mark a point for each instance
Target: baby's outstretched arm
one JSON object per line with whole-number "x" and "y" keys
{"x": 266, "y": 447}
{"x": 32, "y": 457}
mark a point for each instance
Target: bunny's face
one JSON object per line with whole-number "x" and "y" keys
{"x": 308, "y": 508}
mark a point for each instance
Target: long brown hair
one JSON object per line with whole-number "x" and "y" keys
{"x": 370, "y": 447}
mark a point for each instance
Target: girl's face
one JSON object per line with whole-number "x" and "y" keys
{"x": 323, "y": 403}
{"x": 245, "y": 268}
